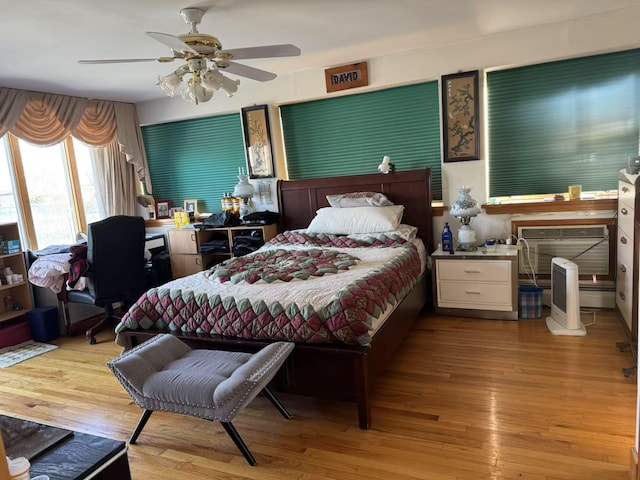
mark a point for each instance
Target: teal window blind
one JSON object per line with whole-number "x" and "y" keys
{"x": 349, "y": 135}
{"x": 195, "y": 159}
{"x": 563, "y": 123}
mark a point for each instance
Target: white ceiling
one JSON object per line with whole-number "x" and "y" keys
{"x": 42, "y": 40}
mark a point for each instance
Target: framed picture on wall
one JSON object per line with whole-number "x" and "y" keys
{"x": 257, "y": 140}
{"x": 460, "y": 116}
{"x": 162, "y": 208}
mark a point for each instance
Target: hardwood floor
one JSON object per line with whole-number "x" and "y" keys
{"x": 465, "y": 399}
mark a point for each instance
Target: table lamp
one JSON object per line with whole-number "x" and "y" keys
{"x": 245, "y": 191}
{"x": 464, "y": 209}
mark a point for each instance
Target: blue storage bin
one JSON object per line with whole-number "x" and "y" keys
{"x": 44, "y": 323}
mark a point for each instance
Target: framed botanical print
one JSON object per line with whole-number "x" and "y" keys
{"x": 460, "y": 116}
{"x": 257, "y": 139}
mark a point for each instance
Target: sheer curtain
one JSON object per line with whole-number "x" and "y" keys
{"x": 47, "y": 119}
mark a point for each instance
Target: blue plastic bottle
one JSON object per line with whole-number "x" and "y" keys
{"x": 447, "y": 239}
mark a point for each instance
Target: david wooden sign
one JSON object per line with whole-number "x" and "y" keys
{"x": 346, "y": 76}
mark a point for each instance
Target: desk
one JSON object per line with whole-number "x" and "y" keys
{"x": 83, "y": 457}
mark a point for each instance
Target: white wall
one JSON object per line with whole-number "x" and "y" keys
{"x": 595, "y": 34}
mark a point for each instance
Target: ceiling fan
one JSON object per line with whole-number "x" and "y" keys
{"x": 204, "y": 59}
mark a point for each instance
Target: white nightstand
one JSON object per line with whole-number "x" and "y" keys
{"x": 480, "y": 284}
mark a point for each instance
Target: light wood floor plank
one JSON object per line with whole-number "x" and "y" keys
{"x": 464, "y": 399}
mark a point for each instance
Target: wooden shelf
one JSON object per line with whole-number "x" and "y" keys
{"x": 184, "y": 246}
{"x": 20, "y": 292}
{"x": 6, "y": 316}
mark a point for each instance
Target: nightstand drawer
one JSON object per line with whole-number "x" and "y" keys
{"x": 478, "y": 296}
{"x": 494, "y": 271}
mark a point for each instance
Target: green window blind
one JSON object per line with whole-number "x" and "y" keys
{"x": 195, "y": 159}
{"x": 349, "y": 135}
{"x": 563, "y": 123}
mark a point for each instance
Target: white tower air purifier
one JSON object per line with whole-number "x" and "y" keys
{"x": 565, "y": 299}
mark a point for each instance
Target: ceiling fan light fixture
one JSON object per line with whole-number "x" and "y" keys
{"x": 229, "y": 86}
{"x": 170, "y": 83}
{"x": 212, "y": 79}
{"x": 194, "y": 92}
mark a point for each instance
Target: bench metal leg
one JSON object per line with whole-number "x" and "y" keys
{"x": 276, "y": 403}
{"x": 235, "y": 436}
{"x": 141, "y": 424}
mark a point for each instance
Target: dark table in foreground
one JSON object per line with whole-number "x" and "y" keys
{"x": 84, "y": 456}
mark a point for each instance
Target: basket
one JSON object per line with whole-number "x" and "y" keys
{"x": 530, "y": 302}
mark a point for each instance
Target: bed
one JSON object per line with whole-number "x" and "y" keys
{"x": 339, "y": 371}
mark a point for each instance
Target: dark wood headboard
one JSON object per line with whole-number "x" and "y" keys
{"x": 300, "y": 199}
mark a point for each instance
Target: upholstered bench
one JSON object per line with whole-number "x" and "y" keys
{"x": 165, "y": 374}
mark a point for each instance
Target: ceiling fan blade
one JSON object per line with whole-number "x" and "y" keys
{"x": 171, "y": 41}
{"x": 266, "y": 51}
{"x": 127, "y": 60}
{"x": 249, "y": 72}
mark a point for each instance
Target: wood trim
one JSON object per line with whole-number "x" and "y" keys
{"x": 439, "y": 210}
{"x": 552, "y": 207}
{"x": 76, "y": 191}
{"x": 23, "y": 193}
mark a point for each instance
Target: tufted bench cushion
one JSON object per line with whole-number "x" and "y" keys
{"x": 165, "y": 374}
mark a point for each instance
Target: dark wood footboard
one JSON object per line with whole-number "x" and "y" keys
{"x": 333, "y": 371}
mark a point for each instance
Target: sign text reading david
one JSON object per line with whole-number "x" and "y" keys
{"x": 346, "y": 77}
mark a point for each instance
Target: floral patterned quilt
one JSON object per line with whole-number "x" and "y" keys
{"x": 297, "y": 287}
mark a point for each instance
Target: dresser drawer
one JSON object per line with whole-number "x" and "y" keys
{"x": 625, "y": 246}
{"x": 477, "y": 296}
{"x": 625, "y": 216}
{"x": 624, "y": 292}
{"x": 626, "y": 193}
{"x": 494, "y": 271}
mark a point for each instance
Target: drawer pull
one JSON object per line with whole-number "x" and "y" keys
{"x": 471, "y": 271}
{"x": 198, "y": 261}
{"x": 624, "y": 211}
{"x": 625, "y": 189}
{"x": 622, "y": 296}
{"x": 623, "y": 240}
{"x": 193, "y": 237}
{"x": 472, "y": 292}
{"x": 623, "y": 269}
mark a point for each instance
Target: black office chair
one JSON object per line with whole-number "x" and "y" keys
{"x": 116, "y": 268}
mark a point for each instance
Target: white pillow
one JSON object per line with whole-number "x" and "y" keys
{"x": 344, "y": 221}
{"x": 408, "y": 232}
{"x": 359, "y": 199}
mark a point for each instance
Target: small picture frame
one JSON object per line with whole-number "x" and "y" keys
{"x": 460, "y": 116}
{"x": 191, "y": 206}
{"x": 162, "y": 209}
{"x": 257, "y": 140}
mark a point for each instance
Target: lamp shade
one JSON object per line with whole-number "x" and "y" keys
{"x": 465, "y": 206}
{"x": 244, "y": 189}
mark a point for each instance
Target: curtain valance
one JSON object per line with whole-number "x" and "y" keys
{"x": 47, "y": 119}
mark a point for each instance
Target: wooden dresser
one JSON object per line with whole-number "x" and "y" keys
{"x": 627, "y": 253}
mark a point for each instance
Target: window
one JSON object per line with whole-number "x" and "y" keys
{"x": 572, "y": 122}
{"x": 349, "y": 135}
{"x": 51, "y": 193}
